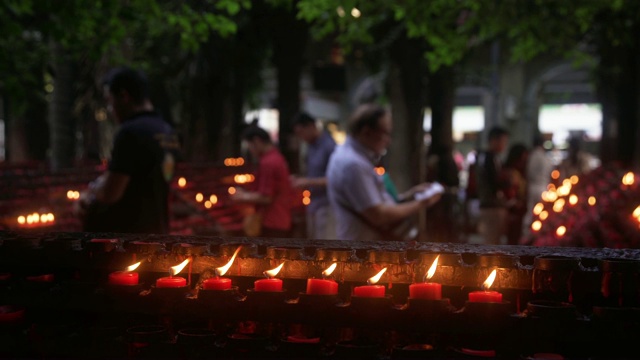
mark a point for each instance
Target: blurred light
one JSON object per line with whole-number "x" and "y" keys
{"x": 199, "y": 197}
{"x": 628, "y": 179}
{"x": 551, "y": 187}
{"x": 558, "y": 205}
{"x": 306, "y": 201}
{"x": 35, "y": 217}
{"x": 208, "y": 204}
{"x": 536, "y": 225}
{"x": 543, "y": 215}
{"x": 592, "y": 200}
{"x": 232, "y": 190}
{"x": 555, "y": 174}
{"x": 561, "y": 231}
{"x": 21, "y": 220}
{"x": 574, "y": 179}
{"x": 355, "y": 13}
{"x": 380, "y": 170}
{"x": 182, "y": 182}
{"x": 43, "y": 218}
{"x": 573, "y": 199}
{"x": 306, "y": 193}
{"x": 636, "y": 212}
{"x": 213, "y": 199}
{"x": 340, "y": 11}
{"x": 50, "y": 217}
{"x": 538, "y": 208}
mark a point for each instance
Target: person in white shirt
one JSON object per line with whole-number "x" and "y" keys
{"x": 539, "y": 170}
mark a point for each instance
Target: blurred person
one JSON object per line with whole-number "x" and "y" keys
{"x": 577, "y": 161}
{"x": 364, "y": 209}
{"x": 271, "y": 193}
{"x": 133, "y": 195}
{"x": 493, "y": 211}
{"x": 539, "y": 167}
{"x": 320, "y": 146}
{"x": 442, "y": 218}
{"x": 514, "y": 171}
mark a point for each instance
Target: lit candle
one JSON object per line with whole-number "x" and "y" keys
{"x": 220, "y": 283}
{"x": 371, "y": 290}
{"x": 323, "y": 286}
{"x": 173, "y": 281}
{"x": 127, "y": 277}
{"x": 427, "y": 290}
{"x": 270, "y": 284}
{"x": 486, "y": 295}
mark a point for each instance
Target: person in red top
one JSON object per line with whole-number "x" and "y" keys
{"x": 271, "y": 193}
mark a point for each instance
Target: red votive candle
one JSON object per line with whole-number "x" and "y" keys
{"x": 321, "y": 287}
{"x": 485, "y": 296}
{"x": 217, "y": 284}
{"x": 267, "y": 285}
{"x": 426, "y": 291}
{"x": 369, "y": 291}
{"x": 123, "y": 278}
{"x": 42, "y": 278}
{"x": 171, "y": 282}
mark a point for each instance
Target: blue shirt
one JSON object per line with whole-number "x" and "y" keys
{"x": 318, "y": 155}
{"x": 354, "y": 186}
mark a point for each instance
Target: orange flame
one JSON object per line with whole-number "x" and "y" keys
{"x": 328, "y": 271}
{"x": 135, "y": 266}
{"x": 555, "y": 174}
{"x": 561, "y": 231}
{"x": 487, "y": 283}
{"x": 273, "y": 272}
{"x": 182, "y": 182}
{"x": 223, "y": 269}
{"x": 432, "y": 269}
{"x": 380, "y": 170}
{"x": 175, "y": 270}
{"x": 374, "y": 279}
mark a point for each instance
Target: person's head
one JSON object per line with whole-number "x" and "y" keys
{"x": 304, "y": 126}
{"x": 517, "y": 156}
{"x": 257, "y": 139}
{"x": 498, "y": 138}
{"x": 371, "y": 125}
{"x": 126, "y": 92}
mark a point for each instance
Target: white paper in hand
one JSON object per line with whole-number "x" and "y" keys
{"x": 432, "y": 190}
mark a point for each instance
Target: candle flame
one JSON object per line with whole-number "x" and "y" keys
{"x": 273, "y": 272}
{"x": 432, "y": 269}
{"x": 223, "y": 269}
{"x": 175, "y": 270}
{"x": 374, "y": 279}
{"x": 135, "y": 266}
{"x": 328, "y": 271}
{"x": 487, "y": 283}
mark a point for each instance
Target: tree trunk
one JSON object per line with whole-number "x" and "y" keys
{"x": 290, "y": 37}
{"x": 441, "y": 97}
{"x": 61, "y": 119}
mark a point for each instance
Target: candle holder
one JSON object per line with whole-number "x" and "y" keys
{"x": 386, "y": 256}
{"x": 361, "y": 308}
{"x": 196, "y": 343}
{"x": 102, "y": 245}
{"x": 220, "y": 303}
{"x": 246, "y": 345}
{"x": 551, "y": 310}
{"x": 296, "y": 347}
{"x": 144, "y": 341}
{"x": 62, "y": 244}
{"x": 620, "y": 282}
{"x": 553, "y": 276}
{"x": 248, "y": 250}
{"x": 190, "y": 249}
{"x": 21, "y": 244}
{"x": 429, "y": 310}
{"x": 335, "y": 254}
{"x": 356, "y": 349}
{"x": 144, "y": 247}
{"x": 416, "y": 351}
{"x": 506, "y": 261}
{"x": 11, "y": 314}
{"x": 283, "y": 252}
{"x": 264, "y": 305}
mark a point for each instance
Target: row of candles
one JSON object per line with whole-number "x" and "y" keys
{"x": 426, "y": 290}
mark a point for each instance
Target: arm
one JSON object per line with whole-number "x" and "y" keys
{"x": 308, "y": 182}
{"x": 387, "y": 214}
{"x": 251, "y": 197}
{"x": 112, "y": 188}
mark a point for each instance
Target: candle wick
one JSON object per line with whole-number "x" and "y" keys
{"x": 266, "y": 275}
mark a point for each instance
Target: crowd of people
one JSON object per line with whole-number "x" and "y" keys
{"x": 350, "y": 200}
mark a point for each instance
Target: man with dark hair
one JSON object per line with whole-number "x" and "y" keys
{"x": 320, "y": 146}
{"x": 493, "y": 212}
{"x": 271, "y": 194}
{"x": 132, "y": 196}
{"x": 364, "y": 210}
